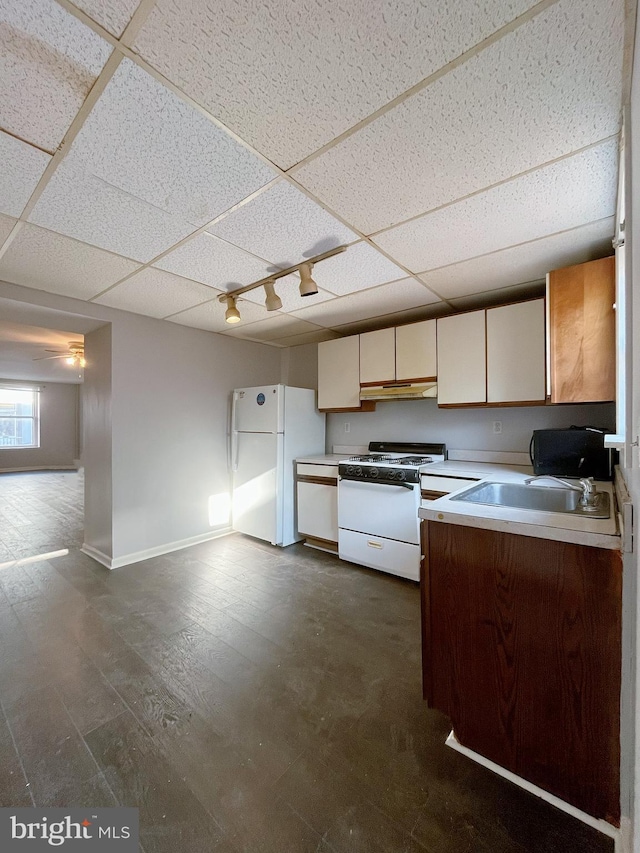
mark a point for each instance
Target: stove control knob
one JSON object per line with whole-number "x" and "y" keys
{"x": 358, "y": 471}
{"x": 350, "y": 469}
{"x": 400, "y": 475}
{"x": 373, "y": 473}
{"x": 391, "y": 475}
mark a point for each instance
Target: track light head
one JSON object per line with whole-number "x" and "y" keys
{"x": 273, "y": 301}
{"x": 308, "y": 287}
{"x": 231, "y": 315}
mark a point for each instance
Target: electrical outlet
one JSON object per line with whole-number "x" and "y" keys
{"x": 347, "y": 427}
{"x": 497, "y": 427}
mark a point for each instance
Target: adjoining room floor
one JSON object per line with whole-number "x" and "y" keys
{"x": 244, "y": 697}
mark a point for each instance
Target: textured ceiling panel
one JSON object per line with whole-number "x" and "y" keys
{"x": 548, "y": 88}
{"x": 568, "y": 194}
{"x": 48, "y": 261}
{"x": 273, "y": 329}
{"x": 528, "y": 262}
{"x": 22, "y": 168}
{"x": 156, "y": 294}
{"x": 211, "y": 316}
{"x": 142, "y": 138}
{"x": 48, "y": 62}
{"x": 114, "y": 15}
{"x": 6, "y": 226}
{"x": 80, "y": 205}
{"x": 288, "y": 77}
{"x": 361, "y": 266}
{"x": 214, "y": 262}
{"x": 371, "y": 303}
{"x": 283, "y": 225}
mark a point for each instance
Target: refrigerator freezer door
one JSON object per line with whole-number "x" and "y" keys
{"x": 257, "y": 486}
{"x": 259, "y": 409}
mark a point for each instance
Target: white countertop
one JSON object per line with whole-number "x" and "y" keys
{"x": 328, "y": 459}
{"x": 562, "y": 527}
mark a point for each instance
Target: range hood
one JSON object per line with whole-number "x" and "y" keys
{"x": 399, "y": 391}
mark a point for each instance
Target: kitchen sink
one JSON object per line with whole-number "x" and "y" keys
{"x": 540, "y": 498}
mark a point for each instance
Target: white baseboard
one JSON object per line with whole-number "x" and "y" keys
{"x": 158, "y": 551}
{"x": 600, "y": 825}
{"x": 38, "y": 468}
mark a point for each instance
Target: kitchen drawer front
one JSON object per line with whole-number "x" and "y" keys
{"x": 434, "y": 483}
{"x": 386, "y": 555}
{"x": 305, "y": 469}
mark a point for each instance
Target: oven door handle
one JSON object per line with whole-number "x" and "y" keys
{"x": 409, "y": 486}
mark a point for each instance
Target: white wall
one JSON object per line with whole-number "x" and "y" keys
{"x": 299, "y": 366}
{"x": 96, "y": 453}
{"x": 462, "y": 429}
{"x": 58, "y": 432}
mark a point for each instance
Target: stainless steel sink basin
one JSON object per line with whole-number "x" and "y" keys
{"x": 541, "y": 498}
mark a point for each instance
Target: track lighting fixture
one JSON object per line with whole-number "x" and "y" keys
{"x": 273, "y": 301}
{"x": 308, "y": 287}
{"x": 231, "y": 315}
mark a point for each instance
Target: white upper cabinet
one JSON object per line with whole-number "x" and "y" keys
{"x": 416, "y": 351}
{"x": 339, "y": 373}
{"x": 516, "y": 353}
{"x": 378, "y": 356}
{"x": 462, "y": 375}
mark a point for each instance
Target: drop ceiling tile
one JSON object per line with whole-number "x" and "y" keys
{"x": 283, "y": 225}
{"x": 525, "y": 263}
{"x": 214, "y": 262}
{"x": 376, "y": 302}
{"x": 272, "y": 329}
{"x": 544, "y": 90}
{"x": 80, "y": 205}
{"x": 359, "y": 267}
{"x": 567, "y": 194}
{"x": 49, "y": 61}
{"x": 145, "y": 140}
{"x": 6, "y": 227}
{"x": 211, "y": 316}
{"x": 289, "y": 77}
{"x": 22, "y": 168}
{"x": 156, "y": 294}
{"x": 48, "y": 261}
{"x": 114, "y": 15}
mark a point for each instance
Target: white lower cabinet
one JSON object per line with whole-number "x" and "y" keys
{"x": 317, "y": 494}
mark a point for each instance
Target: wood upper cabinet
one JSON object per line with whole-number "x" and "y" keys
{"x": 339, "y": 373}
{"x": 378, "y": 356}
{"x": 416, "y": 351}
{"x": 516, "y": 353}
{"x": 522, "y": 650}
{"x": 462, "y": 373}
{"x": 582, "y": 362}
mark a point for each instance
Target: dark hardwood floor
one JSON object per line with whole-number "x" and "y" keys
{"x": 244, "y": 697}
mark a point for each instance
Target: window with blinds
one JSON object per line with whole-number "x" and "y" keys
{"x": 19, "y": 417}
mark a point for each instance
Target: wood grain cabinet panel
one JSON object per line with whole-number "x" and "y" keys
{"x": 522, "y": 649}
{"x": 582, "y": 332}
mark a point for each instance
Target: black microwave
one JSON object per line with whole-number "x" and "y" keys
{"x": 572, "y": 452}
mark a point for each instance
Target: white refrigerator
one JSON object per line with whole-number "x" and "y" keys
{"x": 271, "y": 427}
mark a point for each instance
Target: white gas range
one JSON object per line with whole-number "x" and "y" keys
{"x": 378, "y": 502}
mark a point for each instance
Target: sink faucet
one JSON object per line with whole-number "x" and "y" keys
{"x": 587, "y": 487}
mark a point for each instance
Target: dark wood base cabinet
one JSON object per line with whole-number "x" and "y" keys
{"x": 522, "y": 650}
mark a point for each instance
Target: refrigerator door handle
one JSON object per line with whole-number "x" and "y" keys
{"x": 234, "y": 434}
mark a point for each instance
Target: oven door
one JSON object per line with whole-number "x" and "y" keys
{"x": 381, "y": 509}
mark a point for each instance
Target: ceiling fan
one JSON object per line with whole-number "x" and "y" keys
{"x": 73, "y": 356}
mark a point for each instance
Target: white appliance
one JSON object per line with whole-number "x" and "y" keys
{"x": 270, "y": 427}
{"x": 378, "y": 502}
